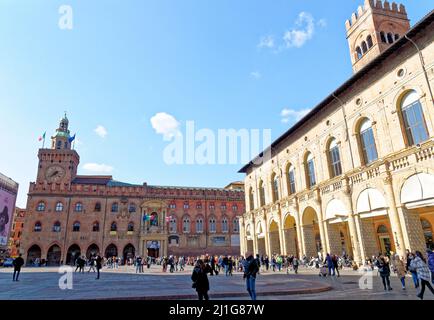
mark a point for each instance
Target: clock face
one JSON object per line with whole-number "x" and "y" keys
{"x": 54, "y": 173}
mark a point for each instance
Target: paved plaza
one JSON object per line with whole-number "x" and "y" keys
{"x": 124, "y": 283}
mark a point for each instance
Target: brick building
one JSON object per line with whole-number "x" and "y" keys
{"x": 16, "y": 232}
{"x": 70, "y": 215}
{"x": 356, "y": 174}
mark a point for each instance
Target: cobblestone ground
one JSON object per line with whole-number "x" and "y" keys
{"x": 43, "y": 283}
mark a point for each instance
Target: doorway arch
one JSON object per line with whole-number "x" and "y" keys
{"x": 111, "y": 251}
{"x": 33, "y": 254}
{"x": 73, "y": 253}
{"x": 92, "y": 250}
{"x": 54, "y": 255}
{"x": 129, "y": 252}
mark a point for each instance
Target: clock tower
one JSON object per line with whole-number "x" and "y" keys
{"x": 58, "y": 164}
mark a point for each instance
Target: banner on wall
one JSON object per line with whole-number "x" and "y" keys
{"x": 8, "y": 196}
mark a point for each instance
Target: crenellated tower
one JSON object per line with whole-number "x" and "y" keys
{"x": 373, "y": 28}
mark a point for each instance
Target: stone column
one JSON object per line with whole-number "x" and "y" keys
{"x": 280, "y": 231}
{"x": 394, "y": 217}
{"x": 267, "y": 236}
{"x": 412, "y": 230}
{"x": 299, "y": 232}
{"x": 355, "y": 244}
{"x": 255, "y": 238}
{"x": 323, "y": 235}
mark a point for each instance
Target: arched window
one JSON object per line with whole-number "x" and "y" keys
{"x": 113, "y": 226}
{"x": 199, "y": 225}
{"x": 130, "y": 226}
{"x": 76, "y": 226}
{"x": 37, "y": 227}
{"x": 59, "y": 144}
{"x": 367, "y": 142}
{"x": 364, "y": 47}
{"x": 414, "y": 122}
{"x": 369, "y": 41}
{"x": 186, "y": 205}
{"x": 390, "y": 38}
{"x": 131, "y": 208}
{"x": 251, "y": 199}
{"x": 310, "y": 171}
{"x": 275, "y": 184}
{"x": 234, "y": 208}
{"x": 172, "y": 225}
{"x": 186, "y": 225}
{"x": 236, "y": 224}
{"x": 97, "y": 207}
{"x": 78, "y": 207}
{"x": 199, "y": 205}
{"x": 383, "y": 37}
{"x": 41, "y": 206}
{"x": 397, "y": 37}
{"x": 359, "y": 53}
{"x": 225, "y": 225}
{"x": 95, "y": 226}
{"x": 291, "y": 180}
{"x": 261, "y": 194}
{"x": 56, "y": 226}
{"x": 59, "y": 207}
{"x": 115, "y": 207}
{"x": 334, "y": 159}
{"x": 223, "y": 207}
{"x": 212, "y": 225}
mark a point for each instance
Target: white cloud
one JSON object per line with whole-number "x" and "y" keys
{"x": 165, "y": 124}
{"x": 322, "y": 23}
{"x": 101, "y": 131}
{"x": 297, "y": 37}
{"x": 266, "y": 42}
{"x": 291, "y": 115}
{"x": 99, "y": 168}
{"x": 255, "y": 75}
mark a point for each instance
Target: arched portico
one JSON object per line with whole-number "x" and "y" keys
{"x": 336, "y": 218}
{"x": 273, "y": 233}
{"x": 290, "y": 235}
{"x": 311, "y": 233}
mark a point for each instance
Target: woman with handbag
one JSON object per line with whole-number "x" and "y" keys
{"x": 200, "y": 279}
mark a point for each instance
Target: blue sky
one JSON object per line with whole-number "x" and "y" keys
{"x": 223, "y": 64}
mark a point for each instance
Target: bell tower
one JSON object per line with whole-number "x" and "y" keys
{"x": 58, "y": 164}
{"x": 374, "y": 28}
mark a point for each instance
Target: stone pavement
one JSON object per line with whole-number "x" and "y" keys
{"x": 124, "y": 283}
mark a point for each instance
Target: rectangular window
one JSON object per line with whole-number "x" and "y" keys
{"x": 291, "y": 177}
{"x": 311, "y": 173}
{"x": 335, "y": 162}
{"x": 414, "y": 124}
{"x": 368, "y": 146}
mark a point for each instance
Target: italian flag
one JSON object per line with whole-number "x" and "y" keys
{"x": 42, "y": 137}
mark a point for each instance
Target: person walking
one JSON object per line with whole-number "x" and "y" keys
{"x": 295, "y": 264}
{"x": 98, "y": 263}
{"x": 423, "y": 273}
{"x": 430, "y": 255}
{"x": 138, "y": 264}
{"x": 17, "y": 263}
{"x": 92, "y": 264}
{"x": 400, "y": 270}
{"x": 410, "y": 257}
{"x": 335, "y": 262}
{"x": 384, "y": 270}
{"x": 200, "y": 279}
{"x": 329, "y": 262}
{"x": 251, "y": 268}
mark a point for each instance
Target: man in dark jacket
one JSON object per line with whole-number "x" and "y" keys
{"x": 200, "y": 279}
{"x": 98, "y": 261}
{"x": 251, "y": 268}
{"x": 18, "y": 263}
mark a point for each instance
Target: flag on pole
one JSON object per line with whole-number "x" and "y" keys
{"x": 146, "y": 217}
{"x": 42, "y": 137}
{"x": 70, "y": 139}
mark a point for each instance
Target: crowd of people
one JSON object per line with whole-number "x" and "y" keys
{"x": 420, "y": 267}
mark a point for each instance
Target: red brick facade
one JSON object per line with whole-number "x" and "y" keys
{"x": 68, "y": 214}
{"x": 16, "y": 232}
